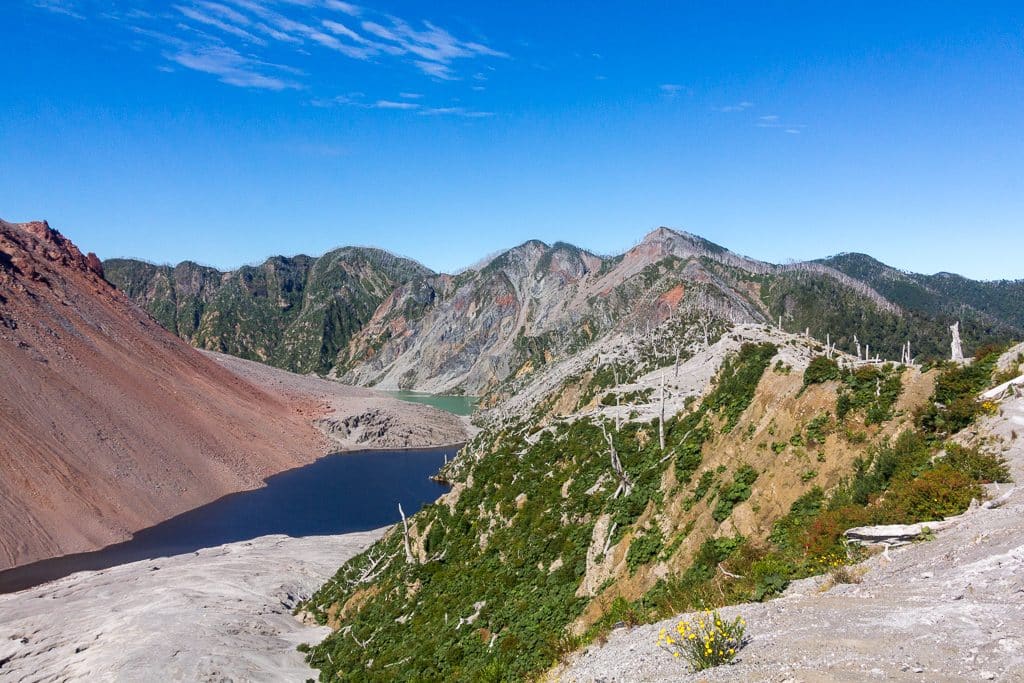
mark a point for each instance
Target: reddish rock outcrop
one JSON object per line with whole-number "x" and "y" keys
{"x": 108, "y": 423}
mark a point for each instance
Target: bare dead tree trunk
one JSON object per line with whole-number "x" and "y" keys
{"x": 677, "y": 356}
{"x": 625, "y": 485}
{"x": 661, "y": 422}
{"x": 955, "y": 346}
{"x": 405, "y": 537}
{"x": 608, "y": 538}
{"x": 618, "y": 397}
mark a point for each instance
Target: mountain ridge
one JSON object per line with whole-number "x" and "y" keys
{"x": 469, "y": 332}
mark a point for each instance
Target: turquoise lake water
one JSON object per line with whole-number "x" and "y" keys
{"x": 459, "y": 405}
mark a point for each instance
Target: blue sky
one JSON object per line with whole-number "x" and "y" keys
{"x": 224, "y": 131}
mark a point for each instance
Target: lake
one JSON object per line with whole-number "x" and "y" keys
{"x": 335, "y": 495}
{"x": 460, "y": 405}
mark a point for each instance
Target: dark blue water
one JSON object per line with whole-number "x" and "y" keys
{"x": 334, "y": 495}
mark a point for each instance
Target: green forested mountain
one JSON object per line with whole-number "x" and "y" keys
{"x": 291, "y": 312}
{"x": 997, "y": 302}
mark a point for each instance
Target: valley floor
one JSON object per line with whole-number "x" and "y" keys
{"x": 950, "y": 609}
{"x": 352, "y": 417}
{"x": 221, "y": 614}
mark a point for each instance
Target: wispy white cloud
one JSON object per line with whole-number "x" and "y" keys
{"x": 346, "y": 7}
{"x": 218, "y": 37}
{"x": 456, "y": 111}
{"x": 773, "y": 121}
{"x": 202, "y": 18}
{"x": 391, "y": 104}
{"x": 408, "y": 102}
{"x": 224, "y": 12}
{"x": 674, "y": 90}
{"x": 66, "y": 7}
{"x": 433, "y": 48}
{"x": 435, "y": 69}
{"x": 732, "y": 108}
{"x": 232, "y": 67}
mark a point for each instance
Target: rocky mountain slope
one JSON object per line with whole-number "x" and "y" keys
{"x": 109, "y": 424}
{"x": 946, "y": 609}
{"x": 295, "y": 313}
{"x": 490, "y": 328}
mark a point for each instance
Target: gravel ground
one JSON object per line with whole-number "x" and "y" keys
{"x": 220, "y": 614}
{"x": 950, "y": 609}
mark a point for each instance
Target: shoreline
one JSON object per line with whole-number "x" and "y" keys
{"x": 221, "y": 613}
{"x": 43, "y": 572}
{"x": 339, "y": 419}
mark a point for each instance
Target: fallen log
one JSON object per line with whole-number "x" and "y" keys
{"x": 901, "y": 534}
{"x": 896, "y": 534}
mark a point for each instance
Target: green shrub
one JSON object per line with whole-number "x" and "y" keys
{"x": 818, "y": 429}
{"x": 770, "y": 575}
{"x": 821, "y": 369}
{"x": 954, "y": 402}
{"x": 736, "y": 493}
{"x": 644, "y": 549}
{"x": 706, "y": 480}
{"x": 935, "y": 494}
{"x": 737, "y": 381}
{"x": 705, "y": 641}
{"x": 871, "y": 388}
{"x": 981, "y": 467}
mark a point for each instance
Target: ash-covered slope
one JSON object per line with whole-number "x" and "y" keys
{"x": 107, "y": 422}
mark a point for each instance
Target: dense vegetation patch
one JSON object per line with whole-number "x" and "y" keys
{"x": 954, "y": 404}
{"x": 821, "y": 369}
{"x": 871, "y": 388}
{"x": 735, "y": 493}
{"x": 825, "y": 306}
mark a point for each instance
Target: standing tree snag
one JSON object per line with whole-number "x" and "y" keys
{"x": 661, "y": 421}
{"x": 955, "y": 346}
{"x": 625, "y": 485}
{"x": 405, "y": 537}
